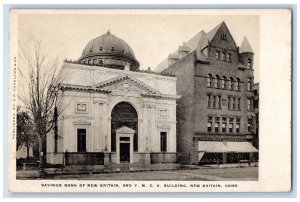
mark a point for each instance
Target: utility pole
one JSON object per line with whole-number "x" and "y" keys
{"x": 55, "y": 122}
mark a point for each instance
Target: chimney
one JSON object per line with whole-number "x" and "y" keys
{"x": 173, "y": 58}
{"x": 183, "y": 50}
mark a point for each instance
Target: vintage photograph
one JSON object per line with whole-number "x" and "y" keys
{"x": 136, "y": 96}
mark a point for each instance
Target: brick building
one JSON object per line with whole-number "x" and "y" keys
{"x": 256, "y": 112}
{"x": 215, "y": 113}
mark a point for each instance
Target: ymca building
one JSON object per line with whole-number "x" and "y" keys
{"x": 215, "y": 112}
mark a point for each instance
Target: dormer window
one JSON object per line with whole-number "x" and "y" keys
{"x": 223, "y": 36}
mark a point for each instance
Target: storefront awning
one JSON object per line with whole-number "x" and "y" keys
{"x": 212, "y": 146}
{"x": 225, "y": 147}
{"x": 241, "y": 147}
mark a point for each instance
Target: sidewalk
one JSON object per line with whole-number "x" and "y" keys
{"x": 231, "y": 165}
{"x": 27, "y": 174}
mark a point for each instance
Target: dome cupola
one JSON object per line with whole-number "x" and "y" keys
{"x": 109, "y": 51}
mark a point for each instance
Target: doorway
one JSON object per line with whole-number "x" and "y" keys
{"x": 81, "y": 140}
{"x": 124, "y": 152}
{"x": 124, "y": 114}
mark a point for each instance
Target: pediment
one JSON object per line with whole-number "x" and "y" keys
{"x": 126, "y": 84}
{"x": 125, "y": 130}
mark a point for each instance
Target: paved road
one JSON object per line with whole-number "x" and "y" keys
{"x": 221, "y": 174}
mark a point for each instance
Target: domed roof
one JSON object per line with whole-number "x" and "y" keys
{"x": 109, "y": 45}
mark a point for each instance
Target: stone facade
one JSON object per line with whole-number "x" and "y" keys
{"x": 114, "y": 113}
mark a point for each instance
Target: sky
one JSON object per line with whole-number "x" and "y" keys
{"x": 152, "y": 36}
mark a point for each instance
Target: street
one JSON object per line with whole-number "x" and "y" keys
{"x": 202, "y": 174}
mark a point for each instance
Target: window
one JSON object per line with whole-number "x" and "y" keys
{"x": 214, "y": 101}
{"x": 208, "y": 101}
{"x": 249, "y": 84}
{"x": 209, "y": 80}
{"x": 233, "y": 103}
{"x": 230, "y": 83}
{"x": 249, "y": 107}
{"x": 224, "y": 124}
{"x": 237, "y": 86}
{"x": 217, "y": 123}
{"x": 238, "y": 103}
{"x": 219, "y": 102}
{"x": 237, "y": 125}
{"x": 228, "y": 57}
{"x": 223, "y": 56}
{"x": 229, "y": 102}
{"x": 217, "y": 79}
{"x": 81, "y": 140}
{"x": 249, "y": 64}
{"x": 163, "y": 141}
{"x": 223, "y": 82}
{"x": 223, "y": 36}
{"x": 209, "y": 124}
{"x": 217, "y": 55}
{"x": 249, "y": 124}
{"x": 230, "y": 126}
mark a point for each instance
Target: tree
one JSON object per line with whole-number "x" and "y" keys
{"x": 25, "y": 135}
{"x": 39, "y": 92}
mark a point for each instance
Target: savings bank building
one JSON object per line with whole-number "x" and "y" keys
{"x": 113, "y": 111}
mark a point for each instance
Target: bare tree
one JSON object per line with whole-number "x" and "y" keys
{"x": 39, "y": 92}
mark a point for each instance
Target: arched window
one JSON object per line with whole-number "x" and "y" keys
{"x": 124, "y": 114}
{"x": 230, "y": 83}
{"x": 237, "y": 86}
{"x": 216, "y": 81}
{"x": 223, "y": 82}
{"x": 249, "y": 64}
{"x": 209, "y": 80}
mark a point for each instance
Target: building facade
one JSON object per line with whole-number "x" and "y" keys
{"x": 112, "y": 111}
{"x": 215, "y": 112}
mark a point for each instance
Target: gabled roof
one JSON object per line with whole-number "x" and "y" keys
{"x": 245, "y": 46}
{"x": 194, "y": 42}
{"x": 211, "y": 34}
{"x": 200, "y": 40}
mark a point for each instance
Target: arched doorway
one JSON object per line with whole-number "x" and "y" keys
{"x": 124, "y": 114}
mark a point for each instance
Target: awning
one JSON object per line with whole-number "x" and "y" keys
{"x": 225, "y": 147}
{"x": 241, "y": 147}
{"x": 212, "y": 146}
